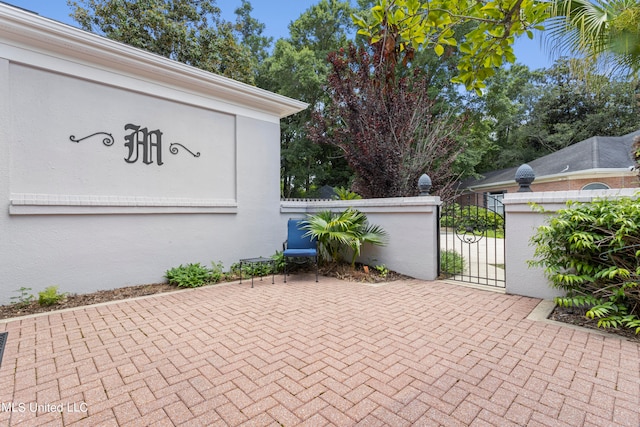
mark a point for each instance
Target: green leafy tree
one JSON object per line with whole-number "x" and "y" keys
{"x": 297, "y": 73}
{"x": 298, "y": 69}
{"x": 605, "y": 37}
{"x": 188, "y": 31}
{"x": 570, "y": 110}
{"x": 405, "y": 26}
{"x": 250, "y": 30}
{"x": 500, "y": 114}
{"x": 604, "y": 33}
{"x": 324, "y": 27}
{"x": 526, "y": 114}
{"x": 388, "y": 127}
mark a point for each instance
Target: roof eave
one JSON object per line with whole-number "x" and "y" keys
{"x": 27, "y": 30}
{"x": 587, "y": 173}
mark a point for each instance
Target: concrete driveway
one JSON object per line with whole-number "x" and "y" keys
{"x": 305, "y": 353}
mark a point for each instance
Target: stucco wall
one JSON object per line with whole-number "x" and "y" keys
{"x": 411, "y": 223}
{"x": 49, "y": 111}
{"x": 521, "y": 223}
{"x": 78, "y": 215}
{"x": 183, "y": 165}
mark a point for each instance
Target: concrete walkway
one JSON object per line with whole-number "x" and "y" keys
{"x": 301, "y": 353}
{"x": 484, "y": 258}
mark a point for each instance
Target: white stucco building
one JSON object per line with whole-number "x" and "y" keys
{"x": 117, "y": 164}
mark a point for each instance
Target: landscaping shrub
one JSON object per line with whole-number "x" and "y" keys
{"x": 251, "y": 269}
{"x": 278, "y": 257}
{"x": 50, "y": 296}
{"x": 451, "y": 262}
{"x": 189, "y": 276}
{"x": 216, "y": 273}
{"x": 339, "y": 232}
{"x": 471, "y": 218}
{"x": 591, "y": 252}
{"x": 261, "y": 269}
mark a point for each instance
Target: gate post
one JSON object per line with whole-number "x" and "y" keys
{"x": 521, "y": 224}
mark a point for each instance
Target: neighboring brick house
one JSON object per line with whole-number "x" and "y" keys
{"x": 600, "y": 162}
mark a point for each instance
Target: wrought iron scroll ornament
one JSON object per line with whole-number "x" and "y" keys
{"x": 108, "y": 141}
{"x": 469, "y": 235}
{"x": 141, "y": 144}
{"x": 174, "y": 150}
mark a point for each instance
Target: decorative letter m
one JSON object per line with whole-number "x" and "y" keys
{"x": 142, "y": 139}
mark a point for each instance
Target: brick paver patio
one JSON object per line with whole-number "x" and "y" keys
{"x": 301, "y": 353}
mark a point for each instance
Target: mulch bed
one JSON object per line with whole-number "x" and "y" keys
{"x": 361, "y": 273}
{"x": 79, "y": 300}
{"x": 575, "y": 316}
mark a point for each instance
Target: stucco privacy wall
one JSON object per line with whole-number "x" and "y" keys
{"x": 521, "y": 223}
{"x": 117, "y": 164}
{"x": 411, "y": 224}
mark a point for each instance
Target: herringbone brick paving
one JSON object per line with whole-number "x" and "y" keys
{"x": 313, "y": 354}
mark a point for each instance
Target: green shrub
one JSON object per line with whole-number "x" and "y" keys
{"x": 471, "y": 218}
{"x": 278, "y": 257}
{"x": 189, "y": 276}
{"x": 251, "y": 269}
{"x": 591, "y": 252}
{"x": 217, "y": 272}
{"x": 346, "y": 194}
{"x": 50, "y": 296}
{"x": 382, "y": 270}
{"x": 451, "y": 262}
{"x": 338, "y": 232}
{"x": 259, "y": 269}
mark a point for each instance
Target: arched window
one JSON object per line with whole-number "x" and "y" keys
{"x": 596, "y": 186}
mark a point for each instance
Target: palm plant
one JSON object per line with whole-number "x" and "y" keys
{"x": 603, "y": 33}
{"x": 336, "y": 232}
{"x": 343, "y": 193}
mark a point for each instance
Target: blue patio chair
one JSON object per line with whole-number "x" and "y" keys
{"x": 298, "y": 245}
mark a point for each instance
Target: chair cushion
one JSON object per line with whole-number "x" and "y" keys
{"x": 300, "y": 252}
{"x": 297, "y": 238}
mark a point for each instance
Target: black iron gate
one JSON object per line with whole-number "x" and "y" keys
{"x": 472, "y": 239}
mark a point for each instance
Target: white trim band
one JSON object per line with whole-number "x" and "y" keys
{"x": 63, "y": 204}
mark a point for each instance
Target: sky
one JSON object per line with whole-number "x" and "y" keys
{"x": 276, "y": 15}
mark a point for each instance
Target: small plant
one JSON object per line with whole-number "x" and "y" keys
{"x": 347, "y": 230}
{"x": 346, "y": 194}
{"x": 278, "y": 257}
{"x": 382, "y": 270}
{"x": 189, "y": 276}
{"x": 50, "y": 296}
{"x": 259, "y": 269}
{"x": 217, "y": 272}
{"x": 251, "y": 269}
{"x": 234, "y": 270}
{"x": 451, "y": 262}
{"x": 24, "y": 298}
